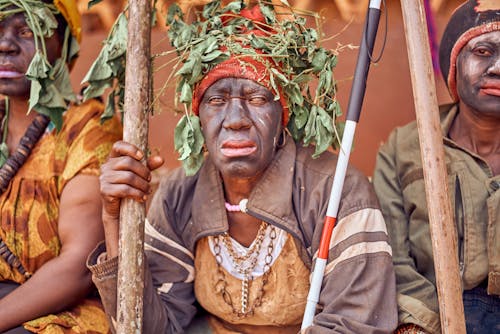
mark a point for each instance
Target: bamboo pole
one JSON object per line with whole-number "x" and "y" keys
{"x": 135, "y": 131}
{"x": 442, "y": 227}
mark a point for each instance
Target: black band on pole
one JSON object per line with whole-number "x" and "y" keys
{"x": 363, "y": 65}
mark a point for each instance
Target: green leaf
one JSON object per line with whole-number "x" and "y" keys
{"x": 51, "y": 97}
{"x": 211, "y": 56}
{"x": 294, "y": 94}
{"x": 45, "y": 20}
{"x": 188, "y": 142}
{"x": 186, "y": 93}
{"x": 99, "y": 70}
{"x": 4, "y": 153}
{"x": 282, "y": 78}
{"x": 210, "y": 8}
{"x": 174, "y": 12}
{"x": 34, "y": 94}
{"x": 324, "y": 132}
{"x": 268, "y": 13}
{"x": 96, "y": 89}
{"x": 301, "y": 116}
{"x": 319, "y": 60}
{"x": 187, "y": 68}
{"x": 62, "y": 81}
{"x": 197, "y": 67}
{"x": 235, "y": 6}
{"x": 74, "y": 48}
{"x": 310, "y": 128}
{"x": 39, "y": 67}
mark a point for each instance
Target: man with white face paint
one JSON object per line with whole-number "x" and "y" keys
{"x": 470, "y": 63}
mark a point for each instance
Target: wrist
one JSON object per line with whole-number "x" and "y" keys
{"x": 111, "y": 234}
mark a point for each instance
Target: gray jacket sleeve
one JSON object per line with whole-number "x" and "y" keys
{"x": 358, "y": 291}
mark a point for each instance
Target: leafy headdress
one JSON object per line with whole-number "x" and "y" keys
{"x": 50, "y": 84}
{"x": 235, "y": 41}
{"x": 285, "y": 52}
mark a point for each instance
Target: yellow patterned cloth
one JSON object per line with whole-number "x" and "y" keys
{"x": 69, "y": 11}
{"x": 29, "y": 208}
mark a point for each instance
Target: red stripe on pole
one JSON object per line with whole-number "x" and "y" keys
{"x": 324, "y": 245}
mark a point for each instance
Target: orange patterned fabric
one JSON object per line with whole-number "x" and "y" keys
{"x": 29, "y": 208}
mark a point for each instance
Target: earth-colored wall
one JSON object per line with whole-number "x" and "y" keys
{"x": 388, "y": 102}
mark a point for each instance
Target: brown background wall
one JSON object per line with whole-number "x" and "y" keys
{"x": 388, "y": 102}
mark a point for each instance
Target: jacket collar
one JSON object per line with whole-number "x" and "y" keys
{"x": 448, "y": 114}
{"x": 270, "y": 200}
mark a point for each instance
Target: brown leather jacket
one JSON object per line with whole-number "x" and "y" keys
{"x": 358, "y": 293}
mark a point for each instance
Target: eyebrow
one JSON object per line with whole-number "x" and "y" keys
{"x": 255, "y": 89}
{"x": 226, "y": 89}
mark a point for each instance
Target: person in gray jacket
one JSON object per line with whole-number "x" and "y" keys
{"x": 470, "y": 64}
{"x": 237, "y": 237}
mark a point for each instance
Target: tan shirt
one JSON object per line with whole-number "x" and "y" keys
{"x": 283, "y": 300}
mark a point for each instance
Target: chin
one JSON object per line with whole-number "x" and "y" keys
{"x": 19, "y": 92}
{"x": 238, "y": 170}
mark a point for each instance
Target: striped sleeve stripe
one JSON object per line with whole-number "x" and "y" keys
{"x": 362, "y": 221}
{"x": 187, "y": 267}
{"x": 362, "y": 232}
{"x": 165, "y": 288}
{"x": 359, "y": 249}
{"x": 153, "y": 233}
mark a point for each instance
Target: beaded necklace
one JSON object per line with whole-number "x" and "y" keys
{"x": 10, "y": 165}
{"x": 245, "y": 265}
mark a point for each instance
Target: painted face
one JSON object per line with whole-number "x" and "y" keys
{"x": 17, "y": 48}
{"x": 478, "y": 74}
{"x": 241, "y": 123}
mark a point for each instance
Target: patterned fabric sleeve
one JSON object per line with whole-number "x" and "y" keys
{"x": 84, "y": 143}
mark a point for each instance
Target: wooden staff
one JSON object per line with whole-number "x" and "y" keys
{"x": 442, "y": 227}
{"x": 135, "y": 131}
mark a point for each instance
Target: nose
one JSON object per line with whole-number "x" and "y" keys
{"x": 494, "y": 68}
{"x": 7, "y": 46}
{"x": 236, "y": 114}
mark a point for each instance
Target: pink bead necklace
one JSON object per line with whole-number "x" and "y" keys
{"x": 242, "y": 206}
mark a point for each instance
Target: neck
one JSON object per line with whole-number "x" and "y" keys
{"x": 242, "y": 227}
{"x": 478, "y": 133}
{"x": 236, "y": 189}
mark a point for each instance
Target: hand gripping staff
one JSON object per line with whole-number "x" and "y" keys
{"x": 353, "y": 112}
